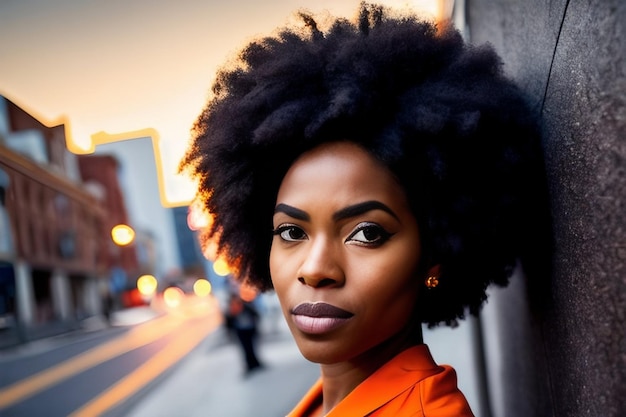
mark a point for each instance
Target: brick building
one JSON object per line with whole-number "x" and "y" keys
{"x": 55, "y": 244}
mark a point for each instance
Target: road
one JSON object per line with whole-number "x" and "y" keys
{"x": 210, "y": 381}
{"x": 88, "y": 373}
{"x": 151, "y": 363}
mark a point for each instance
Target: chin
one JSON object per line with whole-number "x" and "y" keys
{"x": 322, "y": 352}
{"x": 318, "y": 357}
{"x": 312, "y": 353}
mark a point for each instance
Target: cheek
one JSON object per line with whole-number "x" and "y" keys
{"x": 397, "y": 281}
{"x": 273, "y": 267}
{"x": 397, "y": 292}
{"x": 279, "y": 274}
{"x": 278, "y": 269}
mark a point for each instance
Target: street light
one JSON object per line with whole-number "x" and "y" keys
{"x": 147, "y": 285}
{"x": 122, "y": 235}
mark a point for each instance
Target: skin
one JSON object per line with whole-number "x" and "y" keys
{"x": 363, "y": 260}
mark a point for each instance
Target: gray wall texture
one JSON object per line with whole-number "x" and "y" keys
{"x": 566, "y": 356}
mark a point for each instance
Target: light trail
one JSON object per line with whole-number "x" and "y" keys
{"x": 137, "y": 337}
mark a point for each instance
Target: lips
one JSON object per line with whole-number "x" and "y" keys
{"x": 318, "y": 318}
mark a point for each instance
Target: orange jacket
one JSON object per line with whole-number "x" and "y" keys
{"x": 411, "y": 384}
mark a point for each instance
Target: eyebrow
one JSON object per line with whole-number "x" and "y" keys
{"x": 362, "y": 208}
{"x": 292, "y": 212}
{"x": 344, "y": 213}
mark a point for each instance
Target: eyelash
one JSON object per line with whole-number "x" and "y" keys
{"x": 382, "y": 235}
{"x": 280, "y": 230}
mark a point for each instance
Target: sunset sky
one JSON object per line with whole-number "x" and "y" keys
{"x": 122, "y": 69}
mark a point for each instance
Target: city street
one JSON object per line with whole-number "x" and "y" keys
{"x": 153, "y": 363}
{"x": 210, "y": 381}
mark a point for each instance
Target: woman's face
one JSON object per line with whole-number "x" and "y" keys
{"x": 344, "y": 253}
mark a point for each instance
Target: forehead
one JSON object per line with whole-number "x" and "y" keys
{"x": 341, "y": 172}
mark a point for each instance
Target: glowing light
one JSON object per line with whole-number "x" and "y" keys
{"x": 122, "y": 234}
{"x": 197, "y": 217}
{"x": 209, "y": 250}
{"x": 173, "y": 296}
{"x": 147, "y": 285}
{"x": 221, "y": 267}
{"x": 202, "y": 287}
{"x": 247, "y": 292}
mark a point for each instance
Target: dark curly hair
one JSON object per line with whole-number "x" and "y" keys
{"x": 438, "y": 112}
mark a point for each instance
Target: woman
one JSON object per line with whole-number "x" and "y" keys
{"x": 378, "y": 175}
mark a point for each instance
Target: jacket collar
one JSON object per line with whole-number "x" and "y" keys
{"x": 399, "y": 374}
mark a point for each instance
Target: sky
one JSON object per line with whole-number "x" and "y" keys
{"x": 122, "y": 69}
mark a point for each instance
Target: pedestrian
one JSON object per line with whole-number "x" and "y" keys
{"x": 378, "y": 175}
{"x": 241, "y": 318}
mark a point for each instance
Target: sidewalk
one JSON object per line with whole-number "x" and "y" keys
{"x": 210, "y": 381}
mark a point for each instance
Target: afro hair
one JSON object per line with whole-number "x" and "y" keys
{"x": 438, "y": 112}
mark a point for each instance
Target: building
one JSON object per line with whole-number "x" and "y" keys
{"x": 153, "y": 223}
{"x": 53, "y": 238}
{"x": 100, "y": 175}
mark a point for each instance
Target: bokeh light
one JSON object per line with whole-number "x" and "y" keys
{"x": 147, "y": 285}
{"x": 122, "y": 235}
{"x": 173, "y": 296}
{"x": 221, "y": 267}
{"x": 197, "y": 217}
{"x": 202, "y": 287}
{"x": 209, "y": 249}
{"x": 247, "y": 292}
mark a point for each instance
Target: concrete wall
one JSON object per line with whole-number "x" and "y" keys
{"x": 567, "y": 357}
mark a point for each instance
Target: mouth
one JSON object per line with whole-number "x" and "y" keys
{"x": 319, "y": 318}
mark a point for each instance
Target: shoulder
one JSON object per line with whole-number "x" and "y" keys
{"x": 440, "y": 395}
{"x": 434, "y": 395}
{"x": 422, "y": 387}
{"x": 410, "y": 385}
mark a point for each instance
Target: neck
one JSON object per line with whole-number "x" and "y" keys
{"x": 339, "y": 379}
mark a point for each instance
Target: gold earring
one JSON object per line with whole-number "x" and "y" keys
{"x": 433, "y": 277}
{"x": 432, "y": 282}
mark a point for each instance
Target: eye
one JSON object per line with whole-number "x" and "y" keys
{"x": 368, "y": 234}
{"x": 290, "y": 233}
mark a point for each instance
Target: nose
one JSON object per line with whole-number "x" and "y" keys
{"x": 321, "y": 266}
